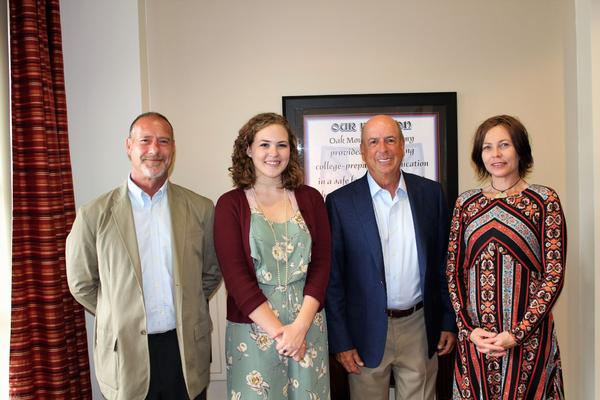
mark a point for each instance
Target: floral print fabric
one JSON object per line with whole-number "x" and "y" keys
{"x": 255, "y": 370}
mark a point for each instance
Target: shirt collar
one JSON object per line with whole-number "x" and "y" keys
{"x": 374, "y": 187}
{"x": 139, "y": 196}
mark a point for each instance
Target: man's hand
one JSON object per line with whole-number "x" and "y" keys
{"x": 350, "y": 360}
{"x": 446, "y": 343}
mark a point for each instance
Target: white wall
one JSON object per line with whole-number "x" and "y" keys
{"x": 102, "y": 73}
{"x": 211, "y": 65}
{"x": 594, "y": 309}
{"x": 103, "y": 82}
{"x": 582, "y": 127}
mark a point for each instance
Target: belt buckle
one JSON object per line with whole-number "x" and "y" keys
{"x": 403, "y": 313}
{"x": 392, "y": 313}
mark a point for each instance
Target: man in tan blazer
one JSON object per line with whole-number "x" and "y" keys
{"x": 141, "y": 259}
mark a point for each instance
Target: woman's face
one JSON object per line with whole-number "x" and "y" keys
{"x": 270, "y": 152}
{"x": 499, "y": 154}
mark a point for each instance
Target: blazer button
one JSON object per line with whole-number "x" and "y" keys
{"x": 143, "y": 332}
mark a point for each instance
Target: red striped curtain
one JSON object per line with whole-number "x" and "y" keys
{"x": 48, "y": 348}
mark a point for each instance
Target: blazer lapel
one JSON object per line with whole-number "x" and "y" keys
{"x": 123, "y": 219}
{"x": 178, "y": 210}
{"x": 363, "y": 204}
{"x": 415, "y": 198}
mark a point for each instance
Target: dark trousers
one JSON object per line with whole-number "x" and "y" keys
{"x": 166, "y": 374}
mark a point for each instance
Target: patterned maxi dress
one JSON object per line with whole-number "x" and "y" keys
{"x": 505, "y": 271}
{"x": 255, "y": 369}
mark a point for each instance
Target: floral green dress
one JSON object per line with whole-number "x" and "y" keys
{"x": 255, "y": 370}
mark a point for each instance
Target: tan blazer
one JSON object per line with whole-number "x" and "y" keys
{"x": 105, "y": 276}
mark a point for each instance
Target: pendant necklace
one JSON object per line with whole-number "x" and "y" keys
{"x": 502, "y": 194}
{"x": 280, "y": 249}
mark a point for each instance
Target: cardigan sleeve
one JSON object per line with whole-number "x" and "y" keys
{"x": 313, "y": 210}
{"x": 231, "y": 235}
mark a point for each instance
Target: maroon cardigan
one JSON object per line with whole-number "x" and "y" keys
{"x": 232, "y": 243}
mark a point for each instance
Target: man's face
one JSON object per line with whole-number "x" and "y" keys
{"x": 150, "y": 149}
{"x": 382, "y": 148}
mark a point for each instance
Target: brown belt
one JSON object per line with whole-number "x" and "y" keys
{"x": 403, "y": 313}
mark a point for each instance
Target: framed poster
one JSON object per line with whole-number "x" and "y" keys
{"x": 329, "y": 128}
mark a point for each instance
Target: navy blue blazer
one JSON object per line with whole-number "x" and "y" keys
{"x": 356, "y": 296}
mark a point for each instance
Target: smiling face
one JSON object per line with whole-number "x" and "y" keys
{"x": 499, "y": 154}
{"x": 150, "y": 148}
{"x": 270, "y": 152}
{"x": 382, "y": 149}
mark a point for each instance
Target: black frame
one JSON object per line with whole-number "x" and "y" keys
{"x": 442, "y": 103}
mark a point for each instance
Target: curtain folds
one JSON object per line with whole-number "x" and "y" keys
{"x": 48, "y": 349}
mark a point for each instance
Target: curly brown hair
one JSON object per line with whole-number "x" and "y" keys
{"x": 242, "y": 168}
{"x": 518, "y": 135}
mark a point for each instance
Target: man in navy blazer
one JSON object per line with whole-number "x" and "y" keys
{"x": 387, "y": 307}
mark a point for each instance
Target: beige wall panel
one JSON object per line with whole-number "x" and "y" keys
{"x": 213, "y": 64}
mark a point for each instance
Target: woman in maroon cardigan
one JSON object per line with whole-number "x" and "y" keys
{"x": 273, "y": 245}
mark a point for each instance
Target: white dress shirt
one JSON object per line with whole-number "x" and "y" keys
{"x": 152, "y": 220}
{"x": 398, "y": 244}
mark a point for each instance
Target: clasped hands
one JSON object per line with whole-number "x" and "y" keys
{"x": 291, "y": 341}
{"x": 491, "y": 343}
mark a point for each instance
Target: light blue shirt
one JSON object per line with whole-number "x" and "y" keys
{"x": 152, "y": 220}
{"x": 398, "y": 244}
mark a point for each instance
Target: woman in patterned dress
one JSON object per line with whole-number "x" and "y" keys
{"x": 506, "y": 265}
{"x": 273, "y": 245}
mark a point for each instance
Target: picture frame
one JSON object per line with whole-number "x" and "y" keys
{"x": 328, "y": 131}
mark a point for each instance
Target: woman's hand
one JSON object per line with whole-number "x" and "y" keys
{"x": 505, "y": 340}
{"x": 486, "y": 342}
{"x": 300, "y": 354}
{"x": 291, "y": 340}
